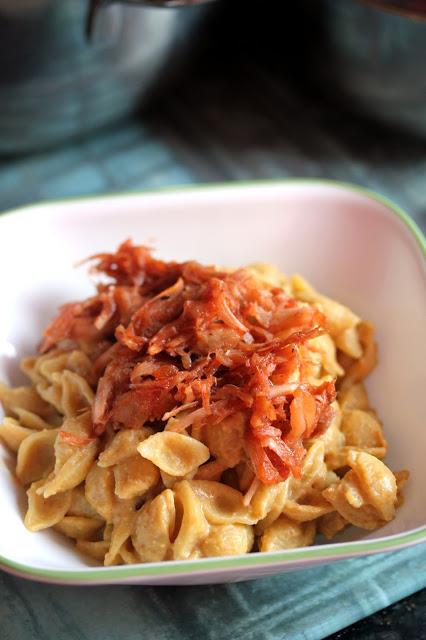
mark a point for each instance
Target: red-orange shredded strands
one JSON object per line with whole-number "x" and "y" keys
{"x": 74, "y": 439}
{"x": 170, "y": 334}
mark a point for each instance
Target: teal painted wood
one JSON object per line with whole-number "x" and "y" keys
{"x": 305, "y": 605}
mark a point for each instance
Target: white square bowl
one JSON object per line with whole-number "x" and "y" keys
{"x": 352, "y": 244}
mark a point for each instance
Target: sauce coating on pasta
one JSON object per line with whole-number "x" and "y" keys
{"x": 186, "y": 411}
{"x": 205, "y": 343}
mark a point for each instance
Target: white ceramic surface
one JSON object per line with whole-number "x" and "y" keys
{"x": 351, "y": 244}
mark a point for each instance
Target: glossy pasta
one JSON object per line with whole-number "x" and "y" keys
{"x": 184, "y": 485}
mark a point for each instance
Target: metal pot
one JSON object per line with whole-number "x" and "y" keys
{"x": 371, "y": 60}
{"x": 57, "y": 84}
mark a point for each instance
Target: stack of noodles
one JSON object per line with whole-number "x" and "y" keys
{"x": 186, "y": 411}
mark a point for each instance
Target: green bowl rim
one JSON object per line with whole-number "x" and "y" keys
{"x": 172, "y": 568}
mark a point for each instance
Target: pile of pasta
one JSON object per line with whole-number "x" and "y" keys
{"x": 186, "y": 411}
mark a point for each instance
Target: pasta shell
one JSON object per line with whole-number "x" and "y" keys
{"x": 33, "y": 421}
{"x": 123, "y": 445}
{"x": 363, "y": 430}
{"x": 286, "y": 534}
{"x": 154, "y": 527}
{"x": 174, "y": 453}
{"x": 121, "y": 533}
{"x": 268, "y": 503}
{"x": 75, "y": 431}
{"x": 58, "y": 361}
{"x": 348, "y": 341}
{"x": 331, "y": 524}
{"x": 339, "y": 317}
{"x": 354, "y": 397}
{"x": 228, "y": 539}
{"x": 134, "y": 477}
{"x": 326, "y": 349}
{"x": 226, "y": 438}
{"x": 267, "y": 497}
{"x": 377, "y": 482}
{"x": 347, "y": 499}
{"x": 36, "y": 456}
{"x": 314, "y": 469}
{"x": 99, "y": 492}
{"x": 333, "y": 438}
{"x": 13, "y": 434}
{"x": 28, "y": 366}
{"x": 79, "y": 504}
{"x": 270, "y": 275}
{"x": 45, "y": 512}
{"x": 23, "y": 398}
{"x": 95, "y": 550}
{"x": 68, "y": 392}
{"x": 222, "y": 504}
{"x": 128, "y": 554}
{"x": 79, "y": 527}
{"x": 211, "y": 470}
{"x": 401, "y": 478}
{"x": 310, "y": 509}
{"x": 340, "y": 459}
{"x": 361, "y": 367}
{"x": 72, "y": 472}
{"x": 194, "y": 527}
